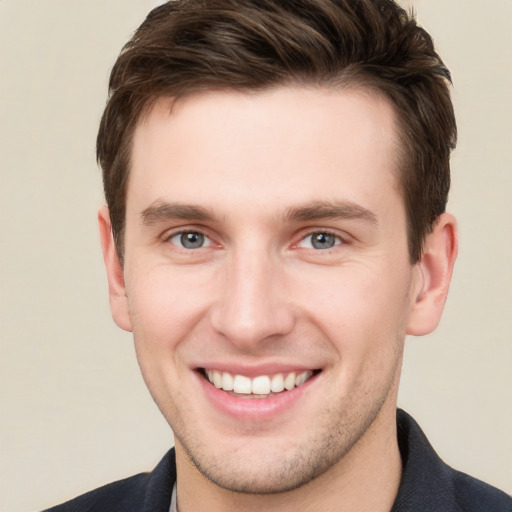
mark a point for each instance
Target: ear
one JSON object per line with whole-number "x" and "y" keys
{"x": 434, "y": 273}
{"x": 115, "y": 275}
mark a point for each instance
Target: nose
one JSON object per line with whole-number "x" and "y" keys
{"x": 253, "y": 305}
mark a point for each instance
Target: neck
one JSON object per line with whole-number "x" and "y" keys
{"x": 365, "y": 480}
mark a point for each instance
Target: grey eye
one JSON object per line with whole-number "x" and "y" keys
{"x": 323, "y": 240}
{"x": 190, "y": 240}
{"x": 320, "y": 241}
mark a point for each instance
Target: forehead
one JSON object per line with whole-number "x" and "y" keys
{"x": 269, "y": 149}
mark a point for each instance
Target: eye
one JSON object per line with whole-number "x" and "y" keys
{"x": 190, "y": 240}
{"x": 320, "y": 240}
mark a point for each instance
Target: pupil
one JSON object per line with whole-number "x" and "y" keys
{"x": 323, "y": 241}
{"x": 192, "y": 240}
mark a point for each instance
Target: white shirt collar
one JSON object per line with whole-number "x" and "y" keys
{"x": 173, "y": 507}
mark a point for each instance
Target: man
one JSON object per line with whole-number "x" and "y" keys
{"x": 276, "y": 175}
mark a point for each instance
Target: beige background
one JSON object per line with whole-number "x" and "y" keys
{"x": 74, "y": 410}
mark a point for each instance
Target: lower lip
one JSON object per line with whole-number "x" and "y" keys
{"x": 253, "y": 409}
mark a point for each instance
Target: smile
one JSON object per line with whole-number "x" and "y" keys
{"x": 262, "y": 385}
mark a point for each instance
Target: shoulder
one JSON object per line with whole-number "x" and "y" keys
{"x": 474, "y": 495}
{"x": 149, "y": 492}
{"x": 429, "y": 484}
{"x": 123, "y": 495}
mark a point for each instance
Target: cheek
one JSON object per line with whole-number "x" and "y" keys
{"x": 165, "y": 307}
{"x": 361, "y": 310}
{"x": 365, "y": 324}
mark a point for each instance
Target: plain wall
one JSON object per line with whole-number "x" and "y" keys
{"x": 75, "y": 412}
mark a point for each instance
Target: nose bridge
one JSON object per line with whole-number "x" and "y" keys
{"x": 252, "y": 305}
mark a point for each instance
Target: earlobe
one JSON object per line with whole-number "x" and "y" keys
{"x": 116, "y": 286}
{"x": 434, "y": 275}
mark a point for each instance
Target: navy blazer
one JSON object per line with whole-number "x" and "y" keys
{"x": 428, "y": 484}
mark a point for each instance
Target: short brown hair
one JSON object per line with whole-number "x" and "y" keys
{"x": 187, "y": 46}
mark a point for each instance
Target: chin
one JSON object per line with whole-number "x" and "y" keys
{"x": 263, "y": 476}
{"x": 262, "y": 466}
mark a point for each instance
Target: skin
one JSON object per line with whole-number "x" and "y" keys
{"x": 257, "y": 174}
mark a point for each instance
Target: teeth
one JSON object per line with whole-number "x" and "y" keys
{"x": 242, "y": 384}
{"x": 217, "y": 379}
{"x": 289, "y": 382}
{"x": 277, "y": 384}
{"x": 261, "y": 385}
{"x": 300, "y": 379}
{"x": 227, "y": 381}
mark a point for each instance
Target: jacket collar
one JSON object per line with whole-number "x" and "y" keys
{"x": 427, "y": 482}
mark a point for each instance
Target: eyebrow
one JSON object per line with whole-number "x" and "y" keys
{"x": 161, "y": 211}
{"x": 318, "y": 210}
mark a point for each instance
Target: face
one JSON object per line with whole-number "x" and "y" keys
{"x": 267, "y": 278}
